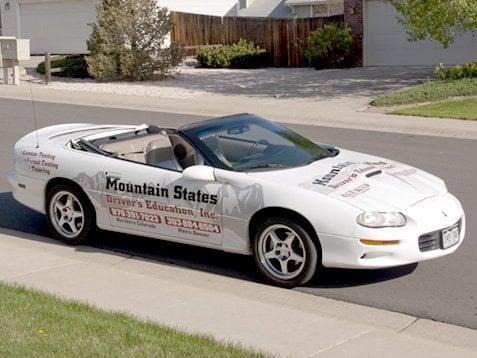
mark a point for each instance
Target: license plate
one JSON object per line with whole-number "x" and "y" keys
{"x": 450, "y": 236}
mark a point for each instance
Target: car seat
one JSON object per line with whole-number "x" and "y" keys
{"x": 131, "y": 149}
{"x": 159, "y": 153}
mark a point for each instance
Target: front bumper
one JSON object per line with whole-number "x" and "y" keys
{"x": 428, "y": 216}
{"x": 28, "y": 191}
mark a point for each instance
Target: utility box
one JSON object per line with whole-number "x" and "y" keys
{"x": 15, "y": 49}
{"x": 12, "y": 51}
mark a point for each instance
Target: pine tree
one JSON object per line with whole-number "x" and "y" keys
{"x": 128, "y": 41}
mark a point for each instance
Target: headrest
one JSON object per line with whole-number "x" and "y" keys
{"x": 180, "y": 151}
{"x": 159, "y": 142}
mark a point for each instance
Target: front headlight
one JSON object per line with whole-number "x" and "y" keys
{"x": 377, "y": 219}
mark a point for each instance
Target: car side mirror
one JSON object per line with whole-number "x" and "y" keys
{"x": 199, "y": 173}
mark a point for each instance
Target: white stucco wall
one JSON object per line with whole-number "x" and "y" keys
{"x": 303, "y": 11}
{"x": 56, "y": 26}
{"x": 386, "y": 42}
{"x": 9, "y": 18}
{"x": 205, "y": 7}
{"x": 61, "y": 26}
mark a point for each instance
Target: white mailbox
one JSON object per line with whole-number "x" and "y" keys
{"x": 12, "y": 51}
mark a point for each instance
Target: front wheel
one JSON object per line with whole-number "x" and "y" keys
{"x": 70, "y": 214}
{"x": 285, "y": 252}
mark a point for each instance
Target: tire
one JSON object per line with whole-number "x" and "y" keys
{"x": 278, "y": 245}
{"x": 70, "y": 214}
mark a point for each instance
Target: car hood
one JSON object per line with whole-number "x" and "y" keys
{"x": 364, "y": 181}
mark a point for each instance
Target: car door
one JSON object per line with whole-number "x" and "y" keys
{"x": 157, "y": 202}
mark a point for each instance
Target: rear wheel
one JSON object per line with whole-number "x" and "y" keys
{"x": 285, "y": 252}
{"x": 70, "y": 214}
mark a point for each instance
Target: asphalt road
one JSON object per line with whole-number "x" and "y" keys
{"x": 444, "y": 289}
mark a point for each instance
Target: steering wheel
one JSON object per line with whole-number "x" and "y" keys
{"x": 256, "y": 144}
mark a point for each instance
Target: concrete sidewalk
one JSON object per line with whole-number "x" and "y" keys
{"x": 282, "y": 322}
{"x": 335, "y": 112}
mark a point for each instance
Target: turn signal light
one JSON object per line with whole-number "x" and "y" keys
{"x": 379, "y": 242}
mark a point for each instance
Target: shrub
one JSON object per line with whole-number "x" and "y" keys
{"x": 243, "y": 54}
{"x": 73, "y": 66}
{"x": 468, "y": 70}
{"x": 329, "y": 47}
{"x": 128, "y": 41}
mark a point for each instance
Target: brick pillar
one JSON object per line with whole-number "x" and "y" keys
{"x": 353, "y": 15}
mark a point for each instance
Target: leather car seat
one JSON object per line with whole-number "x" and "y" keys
{"x": 159, "y": 153}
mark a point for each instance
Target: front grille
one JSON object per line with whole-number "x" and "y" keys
{"x": 429, "y": 242}
{"x": 432, "y": 241}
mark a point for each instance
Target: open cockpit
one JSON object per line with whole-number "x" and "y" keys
{"x": 150, "y": 145}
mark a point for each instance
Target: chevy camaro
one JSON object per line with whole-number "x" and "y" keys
{"x": 240, "y": 184}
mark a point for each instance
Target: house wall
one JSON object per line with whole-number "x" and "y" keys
{"x": 386, "y": 42}
{"x": 55, "y": 26}
{"x": 9, "y": 18}
{"x": 353, "y": 16}
{"x": 207, "y": 7}
{"x": 380, "y": 40}
{"x": 303, "y": 11}
{"x": 330, "y": 8}
{"x": 61, "y": 26}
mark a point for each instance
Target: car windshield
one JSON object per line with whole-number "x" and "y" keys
{"x": 252, "y": 143}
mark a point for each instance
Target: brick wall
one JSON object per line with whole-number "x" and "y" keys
{"x": 330, "y": 8}
{"x": 353, "y": 14}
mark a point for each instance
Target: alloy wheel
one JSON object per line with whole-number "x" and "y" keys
{"x": 282, "y": 252}
{"x": 66, "y": 214}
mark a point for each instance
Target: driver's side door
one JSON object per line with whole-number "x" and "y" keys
{"x": 146, "y": 200}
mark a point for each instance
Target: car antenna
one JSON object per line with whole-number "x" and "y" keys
{"x": 34, "y": 116}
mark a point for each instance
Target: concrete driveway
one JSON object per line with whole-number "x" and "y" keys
{"x": 303, "y": 83}
{"x": 359, "y": 84}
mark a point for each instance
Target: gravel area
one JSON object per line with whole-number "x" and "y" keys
{"x": 300, "y": 83}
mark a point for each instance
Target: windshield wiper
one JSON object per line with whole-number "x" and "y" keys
{"x": 332, "y": 151}
{"x": 270, "y": 165}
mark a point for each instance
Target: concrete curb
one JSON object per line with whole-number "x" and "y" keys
{"x": 282, "y": 322}
{"x": 330, "y": 113}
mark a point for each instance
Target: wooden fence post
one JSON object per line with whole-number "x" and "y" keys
{"x": 47, "y": 68}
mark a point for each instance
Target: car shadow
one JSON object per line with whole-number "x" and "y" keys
{"x": 30, "y": 225}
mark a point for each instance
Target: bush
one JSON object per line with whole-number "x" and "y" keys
{"x": 73, "y": 66}
{"x": 329, "y": 47}
{"x": 469, "y": 70}
{"x": 128, "y": 41}
{"x": 243, "y": 54}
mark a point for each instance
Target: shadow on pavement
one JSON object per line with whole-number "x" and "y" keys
{"x": 25, "y": 222}
{"x": 291, "y": 83}
{"x": 336, "y": 278}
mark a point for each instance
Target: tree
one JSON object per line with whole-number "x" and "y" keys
{"x": 128, "y": 41}
{"x": 329, "y": 46}
{"x": 440, "y": 20}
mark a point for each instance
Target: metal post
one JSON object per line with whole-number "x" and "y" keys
{"x": 16, "y": 74}
{"x": 47, "y": 68}
{"x": 5, "y": 72}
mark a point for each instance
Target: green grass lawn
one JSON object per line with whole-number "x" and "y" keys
{"x": 41, "y": 325}
{"x": 466, "y": 109}
{"x": 431, "y": 91}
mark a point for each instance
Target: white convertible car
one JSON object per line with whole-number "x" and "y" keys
{"x": 239, "y": 184}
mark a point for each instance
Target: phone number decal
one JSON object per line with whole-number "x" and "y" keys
{"x": 135, "y": 215}
{"x": 192, "y": 224}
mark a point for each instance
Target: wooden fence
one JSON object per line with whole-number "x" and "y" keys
{"x": 283, "y": 38}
